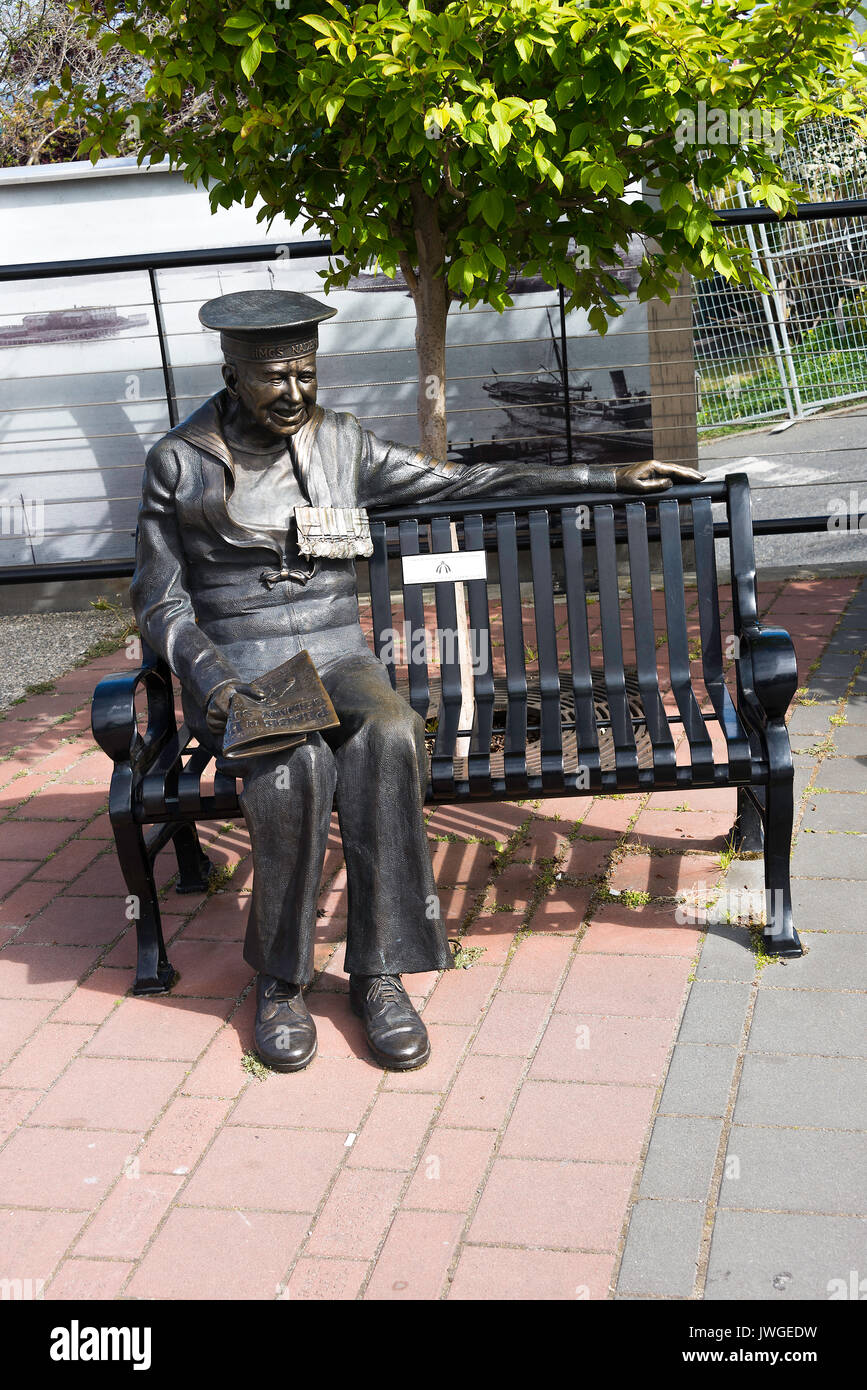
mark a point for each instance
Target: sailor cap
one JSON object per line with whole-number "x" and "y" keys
{"x": 266, "y": 325}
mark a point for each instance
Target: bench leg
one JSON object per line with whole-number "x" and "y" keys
{"x": 194, "y": 866}
{"x": 747, "y": 835}
{"x": 154, "y": 974}
{"x": 780, "y": 937}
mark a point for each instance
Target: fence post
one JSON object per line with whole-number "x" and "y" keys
{"x": 672, "y": 376}
{"x": 168, "y": 377}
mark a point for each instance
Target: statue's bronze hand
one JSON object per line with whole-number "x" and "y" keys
{"x": 653, "y": 476}
{"x": 218, "y": 706}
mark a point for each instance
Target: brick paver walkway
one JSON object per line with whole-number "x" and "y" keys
{"x": 139, "y": 1157}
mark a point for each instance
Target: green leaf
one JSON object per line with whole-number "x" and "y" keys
{"x": 620, "y": 53}
{"x": 492, "y": 208}
{"x": 332, "y": 108}
{"x": 494, "y": 255}
{"x": 499, "y": 135}
{"x": 251, "y": 58}
{"x": 320, "y": 25}
{"x": 244, "y": 20}
{"x": 524, "y": 46}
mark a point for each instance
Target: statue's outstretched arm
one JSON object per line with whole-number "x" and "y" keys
{"x": 396, "y": 473}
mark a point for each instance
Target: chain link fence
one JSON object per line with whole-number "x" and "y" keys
{"x": 800, "y": 347}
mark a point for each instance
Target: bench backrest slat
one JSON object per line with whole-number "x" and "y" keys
{"x": 737, "y": 743}
{"x": 479, "y": 762}
{"x": 572, "y": 519}
{"x": 380, "y": 598}
{"x": 744, "y": 597}
{"x": 700, "y": 748}
{"x": 645, "y": 644}
{"x": 546, "y": 648}
{"x": 415, "y": 634}
{"x": 442, "y": 765}
{"x": 625, "y": 750}
{"x": 515, "y": 757}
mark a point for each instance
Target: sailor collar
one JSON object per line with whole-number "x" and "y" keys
{"x": 324, "y": 530}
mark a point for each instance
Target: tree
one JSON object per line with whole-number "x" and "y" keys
{"x": 40, "y": 40}
{"x": 464, "y": 139}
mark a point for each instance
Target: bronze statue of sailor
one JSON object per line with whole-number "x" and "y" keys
{"x": 253, "y": 511}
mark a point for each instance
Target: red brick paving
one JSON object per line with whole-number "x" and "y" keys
{"x": 138, "y": 1158}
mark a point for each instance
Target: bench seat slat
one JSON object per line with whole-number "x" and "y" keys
{"x": 190, "y": 779}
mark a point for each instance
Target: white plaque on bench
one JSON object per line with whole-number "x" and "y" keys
{"x": 447, "y": 567}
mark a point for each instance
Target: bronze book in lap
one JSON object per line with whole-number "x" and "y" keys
{"x": 297, "y": 703}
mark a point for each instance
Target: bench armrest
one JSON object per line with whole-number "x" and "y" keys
{"x": 767, "y": 671}
{"x": 113, "y": 716}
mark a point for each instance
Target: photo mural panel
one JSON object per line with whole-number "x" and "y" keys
{"x": 83, "y": 390}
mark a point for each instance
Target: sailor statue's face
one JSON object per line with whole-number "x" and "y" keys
{"x": 273, "y": 397}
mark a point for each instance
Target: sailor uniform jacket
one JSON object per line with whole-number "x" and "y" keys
{"x": 219, "y": 601}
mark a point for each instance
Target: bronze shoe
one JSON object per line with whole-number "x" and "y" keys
{"x": 285, "y": 1034}
{"x": 397, "y": 1037}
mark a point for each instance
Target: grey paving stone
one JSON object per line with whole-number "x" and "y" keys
{"x": 726, "y": 954}
{"x": 834, "y": 960}
{"x": 801, "y": 780}
{"x": 662, "y": 1248}
{"x": 835, "y": 664}
{"x": 831, "y": 856}
{"x": 856, "y": 709}
{"x": 745, "y": 877}
{"x": 819, "y": 1092}
{"x": 835, "y": 811}
{"x": 680, "y": 1159}
{"x": 843, "y": 775}
{"x": 776, "y": 1257}
{"x": 846, "y": 640}
{"x": 850, "y": 741}
{"x": 801, "y": 746}
{"x": 808, "y": 1021}
{"x": 715, "y": 1012}
{"x": 795, "y": 1170}
{"x": 699, "y": 1080}
{"x": 830, "y": 685}
{"x": 813, "y": 719}
{"x": 829, "y": 904}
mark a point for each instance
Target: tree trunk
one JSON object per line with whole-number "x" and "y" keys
{"x": 431, "y": 296}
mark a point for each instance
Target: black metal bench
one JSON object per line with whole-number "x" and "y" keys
{"x": 546, "y": 723}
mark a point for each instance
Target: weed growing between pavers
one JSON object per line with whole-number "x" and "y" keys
{"x": 630, "y": 897}
{"x": 220, "y": 875}
{"x": 253, "y": 1067}
{"x": 757, "y": 946}
{"x": 466, "y": 956}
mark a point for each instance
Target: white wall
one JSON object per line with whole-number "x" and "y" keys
{"x": 77, "y": 210}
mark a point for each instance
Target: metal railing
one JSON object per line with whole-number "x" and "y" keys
{"x": 566, "y": 392}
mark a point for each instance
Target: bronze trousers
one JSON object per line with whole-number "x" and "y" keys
{"x": 375, "y": 767}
